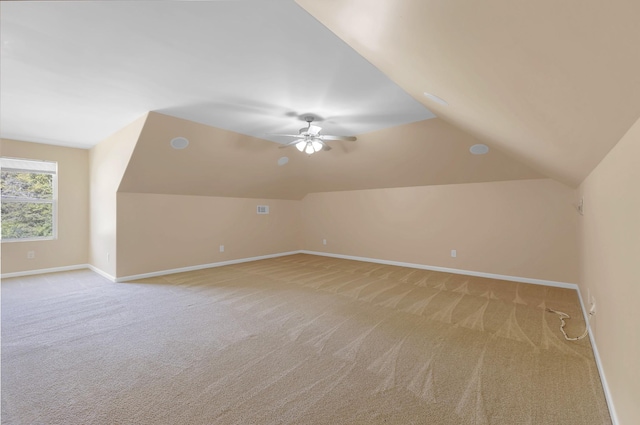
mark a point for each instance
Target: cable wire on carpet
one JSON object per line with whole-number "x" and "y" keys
{"x": 563, "y": 316}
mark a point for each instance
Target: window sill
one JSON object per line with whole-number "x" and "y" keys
{"x": 52, "y": 238}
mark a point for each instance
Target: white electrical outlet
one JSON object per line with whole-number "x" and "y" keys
{"x": 324, "y": 242}
{"x": 221, "y": 248}
{"x": 581, "y": 206}
{"x": 454, "y": 253}
{"x": 31, "y": 255}
{"x": 592, "y": 307}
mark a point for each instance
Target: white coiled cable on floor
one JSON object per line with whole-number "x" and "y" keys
{"x": 563, "y": 316}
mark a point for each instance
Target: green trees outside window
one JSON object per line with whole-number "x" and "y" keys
{"x": 28, "y": 199}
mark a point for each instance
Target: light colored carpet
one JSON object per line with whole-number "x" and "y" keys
{"x": 294, "y": 340}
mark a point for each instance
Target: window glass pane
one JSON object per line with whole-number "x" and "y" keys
{"x": 26, "y": 220}
{"x": 27, "y": 185}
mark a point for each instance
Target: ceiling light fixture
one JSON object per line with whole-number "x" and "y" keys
{"x": 436, "y": 99}
{"x": 309, "y": 146}
{"x": 309, "y": 140}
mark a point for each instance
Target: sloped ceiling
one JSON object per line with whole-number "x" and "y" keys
{"x": 75, "y": 72}
{"x": 549, "y": 85}
{"x": 554, "y": 83}
{"x": 223, "y": 163}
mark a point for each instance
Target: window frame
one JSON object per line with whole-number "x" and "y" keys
{"x": 53, "y": 201}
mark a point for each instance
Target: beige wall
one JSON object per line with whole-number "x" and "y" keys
{"x": 162, "y": 232}
{"x": 71, "y": 246}
{"x": 522, "y": 228}
{"x": 108, "y": 161}
{"x": 223, "y": 163}
{"x": 610, "y": 269}
{"x": 216, "y": 163}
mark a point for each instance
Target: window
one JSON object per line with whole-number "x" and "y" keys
{"x": 29, "y": 199}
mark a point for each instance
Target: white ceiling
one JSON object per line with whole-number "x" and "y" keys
{"x": 73, "y": 73}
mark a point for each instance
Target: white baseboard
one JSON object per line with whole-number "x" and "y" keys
{"x": 101, "y": 272}
{"x": 202, "y": 266}
{"x": 448, "y": 270}
{"x": 282, "y": 254}
{"x": 596, "y": 355}
{"x": 144, "y": 275}
{"x": 42, "y": 271}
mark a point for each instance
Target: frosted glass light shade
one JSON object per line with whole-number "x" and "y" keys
{"x": 309, "y": 149}
{"x": 309, "y": 146}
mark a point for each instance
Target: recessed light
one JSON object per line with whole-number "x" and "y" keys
{"x": 479, "y": 149}
{"x": 283, "y": 160}
{"x": 436, "y": 98}
{"x": 179, "y": 143}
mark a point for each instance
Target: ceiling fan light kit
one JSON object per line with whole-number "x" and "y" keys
{"x": 309, "y": 140}
{"x": 309, "y": 147}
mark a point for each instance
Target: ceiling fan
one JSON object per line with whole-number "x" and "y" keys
{"x": 309, "y": 140}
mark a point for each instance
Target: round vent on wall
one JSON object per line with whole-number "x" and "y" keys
{"x": 179, "y": 143}
{"x": 283, "y": 160}
{"x": 479, "y": 149}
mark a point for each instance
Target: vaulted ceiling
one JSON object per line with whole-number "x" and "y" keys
{"x": 549, "y": 86}
{"x": 83, "y": 70}
{"x": 554, "y": 83}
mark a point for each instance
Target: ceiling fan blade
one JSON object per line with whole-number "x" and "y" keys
{"x": 283, "y": 135}
{"x": 325, "y": 147}
{"x": 295, "y": 142}
{"x": 314, "y": 129}
{"x": 345, "y": 138}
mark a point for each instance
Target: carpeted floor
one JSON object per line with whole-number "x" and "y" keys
{"x": 294, "y": 340}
